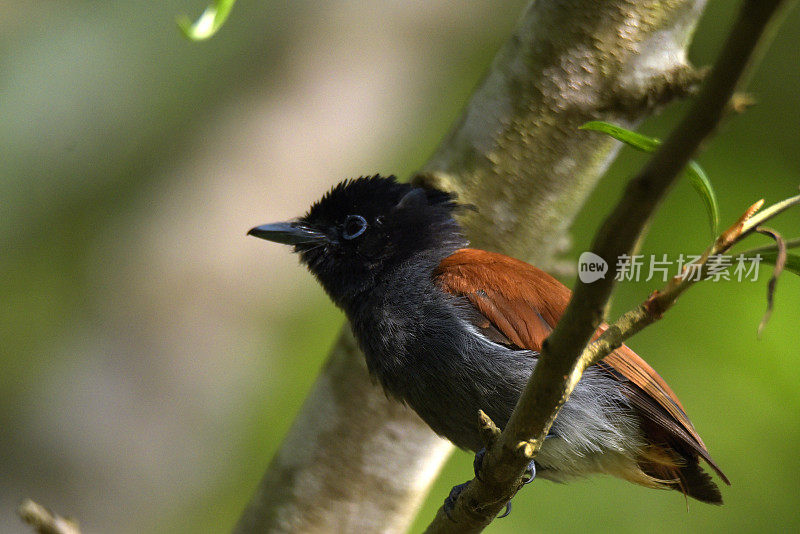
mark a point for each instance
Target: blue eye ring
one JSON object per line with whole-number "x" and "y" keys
{"x": 354, "y": 226}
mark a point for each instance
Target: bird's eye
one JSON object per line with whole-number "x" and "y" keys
{"x": 354, "y": 226}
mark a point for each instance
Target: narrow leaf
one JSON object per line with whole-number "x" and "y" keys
{"x": 208, "y": 23}
{"x": 790, "y": 243}
{"x": 634, "y": 139}
{"x": 699, "y": 180}
{"x": 771, "y": 257}
{"x": 695, "y": 173}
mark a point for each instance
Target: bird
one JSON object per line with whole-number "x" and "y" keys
{"x": 450, "y": 330}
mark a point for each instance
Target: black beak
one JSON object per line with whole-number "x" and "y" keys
{"x": 288, "y": 233}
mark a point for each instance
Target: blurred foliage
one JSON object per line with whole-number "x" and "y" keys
{"x": 152, "y": 359}
{"x": 208, "y": 23}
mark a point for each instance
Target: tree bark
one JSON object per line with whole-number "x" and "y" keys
{"x": 356, "y": 461}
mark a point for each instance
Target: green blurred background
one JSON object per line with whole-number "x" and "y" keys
{"x": 153, "y": 357}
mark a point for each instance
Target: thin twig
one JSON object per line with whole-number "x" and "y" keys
{"x": 660, "y": 301}
{"x": 767, "y": 214}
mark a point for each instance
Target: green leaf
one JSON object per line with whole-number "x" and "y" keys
{"x": 792, "y": 260}
{"x": 695, "y": 173}
{"x": 208, "y": 23}
{"x": 699, "y": 180}
{"x": 634, "y": 139}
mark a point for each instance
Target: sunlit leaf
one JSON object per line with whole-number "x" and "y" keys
{"x": 208, "y": 23}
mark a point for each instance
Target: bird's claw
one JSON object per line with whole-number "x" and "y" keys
{"x": 508, "y": 511}
{"x": 531, "y": 472}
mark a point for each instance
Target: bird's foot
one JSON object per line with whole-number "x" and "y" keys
{"x": 530, "y": 473}
{"x": 450, "y": 501}
{"x": 477, "y": 464}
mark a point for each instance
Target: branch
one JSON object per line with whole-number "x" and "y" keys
{"x": 355, "y": 461}
{"x": 560, "y": 366}
{"x": 662, "y": 300}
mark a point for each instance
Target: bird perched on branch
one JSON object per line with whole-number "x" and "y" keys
{"x": 451, "y": 330}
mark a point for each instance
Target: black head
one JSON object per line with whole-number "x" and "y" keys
{"x": 362, "y": 229}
